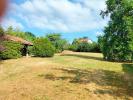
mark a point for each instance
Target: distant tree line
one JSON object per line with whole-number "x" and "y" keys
{"x": 81, "y": 45}
{"x": 44, "y": 46}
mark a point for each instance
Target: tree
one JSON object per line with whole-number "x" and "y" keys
{"x": 118, "y": 38}
{"x": 17, "y": 32}
{"x": 10, "y": 30}
{"x": 30, "y": 36}
{"x": 2, "y": 32}
{"x": 59, "y": 43}
{"x": 100, "y": 42}
{"x": 53, "y": 37}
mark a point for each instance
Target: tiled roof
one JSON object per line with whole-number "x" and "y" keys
{"x": 15, "y": 39}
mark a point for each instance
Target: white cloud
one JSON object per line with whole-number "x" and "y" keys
{"x": 99, "y": 33}
{"x": 11, "y": 22}
{"x": 59, "y": 15}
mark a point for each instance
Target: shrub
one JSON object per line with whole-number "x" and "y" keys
{"x": 95, "y": 47}
{"x": 43, "y": 48}
{"x": 85, "y": 47}
{"x": 2, "y": 32}
{"x": 73, "y": 47}
{"x": 12, "y": 50}
{"x": 60, "y": 45}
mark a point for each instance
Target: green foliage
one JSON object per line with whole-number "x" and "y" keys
{"x": 53, "y": 37}
{"x": 85, "y": 47}
{"x": 10, "y": 30}
{"x": 117, "y": 43}
{"x": 100, "y": 42}
{"x": 95, "y": 47}
{"x": 12, "y": 50}
{"x": 29, "y": 36}
{"x": 59, "y": 43}
{"x": 17, "y": 32}
{"x": 43, "y": 48}
{"x": 2, "y": 32}
{"x": 88, "y": 47}
{"x": 73, "y": 47}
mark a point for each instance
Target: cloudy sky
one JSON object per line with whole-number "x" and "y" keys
{"x": 72, "y": 18}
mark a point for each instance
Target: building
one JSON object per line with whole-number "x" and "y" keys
{"x": 18, "y": 40}
{"x": 86, "y": 40}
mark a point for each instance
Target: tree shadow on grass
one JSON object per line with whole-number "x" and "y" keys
{"x": 1, "y": 61}
{"x": 83, "y": 56}
{"x": 128, "y": 68}
{"x": 119, "y": 85}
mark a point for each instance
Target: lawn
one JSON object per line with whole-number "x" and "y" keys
{"x": 70, "y": 75}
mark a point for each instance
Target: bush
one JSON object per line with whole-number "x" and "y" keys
{"x": 43, "y": 48}
{"x": 12, "y": 50}
{"x": 95, "y": 47}
{"x": 85, "y": 47}
{"x": 60, "y": 45}
{"x": 73, "y": 47}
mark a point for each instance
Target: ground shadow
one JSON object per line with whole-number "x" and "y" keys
{"x": 85, "y": 57}
{"x": 1, "y": 61}
{"x": 128, "y": 68}
{"x": 119, "y": 84}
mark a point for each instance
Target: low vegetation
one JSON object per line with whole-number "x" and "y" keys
{"x": 69, "y": 75}
{"x": 43, "y": 48}
{"x": 78, "y": 74}
{"x": 85, "y": 46}
{"x": 12, "y": 50}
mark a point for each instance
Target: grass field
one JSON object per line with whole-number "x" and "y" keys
{"x": 66, "y": 76}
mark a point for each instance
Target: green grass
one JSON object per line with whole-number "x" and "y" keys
{"x": 87, "y": 60}
{"x": 70, "y": 75}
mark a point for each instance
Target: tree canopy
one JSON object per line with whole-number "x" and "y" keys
{"x": 59, "y": 43}
{"x": 117, "y": 42}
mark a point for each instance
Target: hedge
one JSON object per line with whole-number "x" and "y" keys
{"x": 43, "y": 48}
{"x": 12, "y": 50}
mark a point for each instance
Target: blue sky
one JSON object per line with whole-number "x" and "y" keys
{"x": 71, "y": 18}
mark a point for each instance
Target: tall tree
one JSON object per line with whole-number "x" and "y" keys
{"x": 118, "y": 38}
{"x": 10, "y": 30}
{"x": 2, "y": 32}
{"x": 59, "y": 43}
{"x": 30, "y": 36}
{"x": 53, "y": 37}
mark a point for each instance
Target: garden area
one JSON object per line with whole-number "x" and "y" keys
{"x": 68, "y": 75}
{"x": 52, "y": 67}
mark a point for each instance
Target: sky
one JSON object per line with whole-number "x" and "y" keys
{"x": 71, "y": 18}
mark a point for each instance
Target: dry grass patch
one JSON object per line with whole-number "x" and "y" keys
{"x": 76, "y": 76}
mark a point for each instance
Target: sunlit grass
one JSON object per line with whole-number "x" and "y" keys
{"x": 70, "y": 75}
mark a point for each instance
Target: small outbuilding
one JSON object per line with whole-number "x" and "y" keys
{"x": 25, "y": 43}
